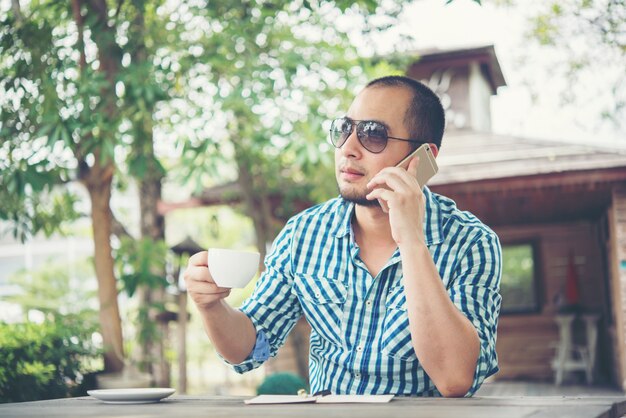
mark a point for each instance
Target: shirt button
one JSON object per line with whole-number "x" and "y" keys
{"x": 357, "y": 375}
{"x": 359, "y": 348}
{"x": 318, "y": 294}
{"x": 368, "y": 303}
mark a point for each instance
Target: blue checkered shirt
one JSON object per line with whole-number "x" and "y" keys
{"x": 360, "y": 339}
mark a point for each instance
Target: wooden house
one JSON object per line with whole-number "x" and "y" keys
{"x": 558, "y": 207}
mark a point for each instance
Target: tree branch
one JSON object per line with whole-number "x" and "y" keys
{"x": 15, "y": 5}
{"x": 78, "y": 18}
{"x": 119, "y": 7}
{"x": 100, "y": 7}
{"x": 118, "y": 229}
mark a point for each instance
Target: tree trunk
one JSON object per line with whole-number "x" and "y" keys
{"x": 153, "y": 227}
{"x": 254, "y": 194}
{"x": 98, "y": 179}
{"x": 98, "y": 184}
{"x": 257, "y": 205}
{"x": 152, "y": 223}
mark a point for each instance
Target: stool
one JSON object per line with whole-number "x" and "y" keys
{"x": 575, "y": 357}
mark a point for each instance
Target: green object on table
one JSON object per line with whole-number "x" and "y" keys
{"x": 281, "y": 384}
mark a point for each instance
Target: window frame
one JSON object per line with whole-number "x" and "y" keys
{"x": 537, "y": 286}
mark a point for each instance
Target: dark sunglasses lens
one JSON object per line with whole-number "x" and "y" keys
{"x": 340, "y": 131}
{"x": 373, "y": 136}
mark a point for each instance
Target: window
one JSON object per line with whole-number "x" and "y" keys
{"x": 519, "y": 279}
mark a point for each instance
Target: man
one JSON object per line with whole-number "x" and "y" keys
{"x": 399, "y": 286}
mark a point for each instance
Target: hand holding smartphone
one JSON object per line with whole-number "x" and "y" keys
{"x": 427, "y": 166}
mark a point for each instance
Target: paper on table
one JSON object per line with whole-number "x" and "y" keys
{"x": 273, "y": 399}
{"x": 285, "y": 399}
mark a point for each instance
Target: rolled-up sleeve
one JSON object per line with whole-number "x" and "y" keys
{"x": 273, "y": 306}
{"x": 476, "y": 292}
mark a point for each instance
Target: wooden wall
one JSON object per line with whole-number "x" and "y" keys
{"x": 526, "y": 342}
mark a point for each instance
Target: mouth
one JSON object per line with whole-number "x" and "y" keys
{"x": 350, "y": 174}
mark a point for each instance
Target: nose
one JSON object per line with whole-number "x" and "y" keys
{"x": 352, "y": 148}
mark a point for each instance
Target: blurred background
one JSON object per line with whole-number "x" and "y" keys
{"x": 135, "y": 133}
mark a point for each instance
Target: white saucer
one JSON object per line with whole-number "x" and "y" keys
{"x": 128, "y": 396}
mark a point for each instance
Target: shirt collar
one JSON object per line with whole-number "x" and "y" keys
{"x": 433, "y": 231}
{"x": 343, "y": 218}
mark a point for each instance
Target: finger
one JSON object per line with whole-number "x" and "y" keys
{"x": 204, "y": 286}
{"x": 199, "y": 259}
{"x": 394, "y": 180}
{"x": 384, "y": 178}
{"x": 383, "y": 194}
{"x": 412, "y": 169}
{"x": 383, "y": 205}
{"x": 207, "y": 300}
{"x": 198, "y": 274}
{"x": 209, "y": 290}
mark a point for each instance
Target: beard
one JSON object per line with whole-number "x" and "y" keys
{"x": 351, "y": 192}
{"x": 358, "y": 198}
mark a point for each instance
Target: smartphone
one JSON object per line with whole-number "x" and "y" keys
{"x": 427, "y": 166}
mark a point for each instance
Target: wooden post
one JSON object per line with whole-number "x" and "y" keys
{"x": 617, "y": 259}
{"x": 183, "y": 249}
{"x": 164, "y": 364}
{"x": 182, "y": 342}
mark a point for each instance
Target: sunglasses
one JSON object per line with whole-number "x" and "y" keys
{"x": 370, "y": 133}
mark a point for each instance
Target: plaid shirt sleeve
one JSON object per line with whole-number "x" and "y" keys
{"x": 273, "y": 307}
{"x": 475, "y": 291}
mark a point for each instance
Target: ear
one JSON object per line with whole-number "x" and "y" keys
{"x": 434, "y": 149}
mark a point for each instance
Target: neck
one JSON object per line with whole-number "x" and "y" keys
{"x": 371, "y": 224}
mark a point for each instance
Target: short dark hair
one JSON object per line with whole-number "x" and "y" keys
{"x": 425, "y": 118}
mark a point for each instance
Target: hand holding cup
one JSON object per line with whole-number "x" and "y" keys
{"x": 210, "y": 275}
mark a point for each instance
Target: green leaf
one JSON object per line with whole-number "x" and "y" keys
{"x": 138, "y": 165}
{"x": 38, "y": 180}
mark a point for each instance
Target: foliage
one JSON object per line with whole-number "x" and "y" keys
{"x": 32, "y": 201}
{"x": 604, "y": 21}
{"x": 44, "y": 361}
{"x": 59, "y": 122}
{"x": 262, "y": 88}
{"x": 217, "y": 226}
{"x": 256, "y": 82}
{"x": 52, "y": 290}
{"x": 140, "y": 262}
{"x": 52, "y": 117}
{"x": 50, "y": 360}
{"x": 586, "y": 40}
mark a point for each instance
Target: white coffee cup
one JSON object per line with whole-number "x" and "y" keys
{"x": 232, "y": 268}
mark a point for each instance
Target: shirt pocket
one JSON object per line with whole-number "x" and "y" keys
{"x": 396, "y": 339}
{"x": 322, "y": 301}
